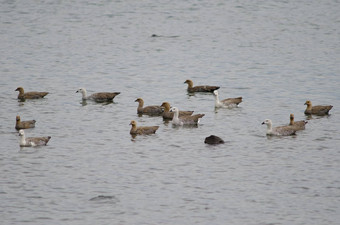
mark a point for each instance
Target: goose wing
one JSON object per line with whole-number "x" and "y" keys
{"x": 147, "y": 130}
{"x": 194, "y": 119}
{"x": 34, "y": 95}
{"x": 321, "y": 109}
{"x": 232, "y": 101}
{"x": 104, "y": 96}
{"x": 284, "y": 130}
{"x": 38, "y": 140}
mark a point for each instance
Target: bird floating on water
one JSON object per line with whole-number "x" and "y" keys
{"x": 152, "y": 110}
{"x": 203, "y": 88}
{"x": 169, "y": 115}
{"x": 297, "y": 125}
{"x": 319, "y": 110}
{"x": 32, "y": 141}
{"x": 24, "y": 124}
{"x": 142, "y": 129}
{"x": 99, "y": 96}
{"x": 185, "y": 120}
{"x": 29, "y": 95}
{"x": 226, "y": 103}
{"x": 278, "y": 131}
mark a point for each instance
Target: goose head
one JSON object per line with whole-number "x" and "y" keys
{"x": 133, "y": 123}
{"x": 267, "y": 121}
{"x": 81, "y": 90}
{"x": 166, "y": 106}
{"x": 189, "y": 82}
{"x": 308, "y": 103}
{"x": 21, "y": 133}
{"x": 174, "y": 109}
{"x": 140, "y": 100}
{"x": 20, "y": 89}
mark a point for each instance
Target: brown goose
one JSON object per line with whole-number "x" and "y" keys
{"x": 32, "y": 141}
{"x": 213, "y": 140}
{"x": 226, "y": 103}
{"x": 318, "y": 110}
{"x": 185, "y": 120}
{"x": 169, "y": 115}
{"x": 153, "y": 110}
{"x": 298, "y": 125}
{"x": 29, "y": 95}
{"x": 142, "y": 130}
{"x": 278, "y": 131}
{"x": 204, "y": 88}
{"x": 24, "y": 124}
{"x": 98, "y": 97}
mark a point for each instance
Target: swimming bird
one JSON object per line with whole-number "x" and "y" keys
{"x": 278, "y": 131}
{"x": 189, "y": 120}
{"x": 298, "y": 125}
{"x": 205, "y": 88}
{"x": 142, "y": 130}
{"x": 29, "y": 95}
{"x": 169, "y": 115}
{"x": 32, "y": 141}
{"x": 226, "y": 103}
{"x": 98, "y": 97}
{"x": 152, "y": 110}
{"x": 319, "y": 110}
{"x": 213, "y": 140}
{"x": 24, "y": 124}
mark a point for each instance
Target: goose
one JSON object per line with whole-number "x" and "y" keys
{"x": 213, "y": 140}
{"x": 226, "y": 103}
{"x": 142, "y": 130}
{"x": 29, "y": 95}
{"x": 169, "y": 115}
{"x": 24, "y": 124}
{"x": 153, "y": 110}
{"x": 298, "y": 125}
{"x": 319, "y": 110}
{"x": 192, "y": 119}
{"x": 32, "y": 141}
{"x": 203, "y": 88}
{"x": 278, "y": 131}
{"x": 98, "y": 97}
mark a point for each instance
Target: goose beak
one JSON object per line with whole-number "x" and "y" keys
{"x": 262, "y": 123}
{"x": 77, "y": 91}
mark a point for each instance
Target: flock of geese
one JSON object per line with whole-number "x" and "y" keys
{"x": 177, "y": 117}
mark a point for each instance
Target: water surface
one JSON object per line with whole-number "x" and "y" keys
{"x": 275, "y": 55}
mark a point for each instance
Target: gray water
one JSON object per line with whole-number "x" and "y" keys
{"x": 275, "y": 54}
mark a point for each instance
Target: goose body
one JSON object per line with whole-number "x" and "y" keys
{"x": 24, "y": 124}
{"x": 297, "y": 125}
{"x": 169, "y": 115}
{"x": 32, "y": 141}
{"x": 185, "y": 120}
{"x": 204, "y": 88}
{"x": 99, "y": 96}
{"x": 29, "y": 95}
{"x": 226, "y": 103}
{"x": 152, "y": 110}
{"x": 142, "y": 130}
{"x": 319, "y": 110}
{"x": 278, "y": 131}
